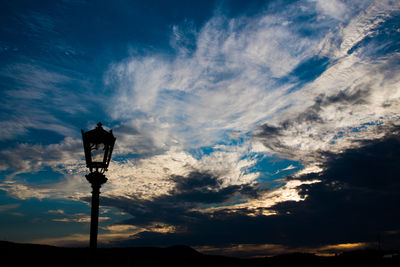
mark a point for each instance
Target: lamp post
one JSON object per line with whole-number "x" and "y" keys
{"x": 98, "y": 145}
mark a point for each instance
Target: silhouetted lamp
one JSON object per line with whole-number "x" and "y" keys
{"x": 98, "y": 145}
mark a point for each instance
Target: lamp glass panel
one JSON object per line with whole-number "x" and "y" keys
{"x": 97, "y": 151}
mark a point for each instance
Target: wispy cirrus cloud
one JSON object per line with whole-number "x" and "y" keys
{"x": 37, "y": 97}
{"x": 244, "y": 72}
{"x": 227, "y": 83}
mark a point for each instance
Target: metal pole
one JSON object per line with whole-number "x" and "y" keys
{"x": 94, "y": 220}
{"x": 96, "y": 179}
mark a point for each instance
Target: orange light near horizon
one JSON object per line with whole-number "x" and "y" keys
{"x": 345, "y": 246}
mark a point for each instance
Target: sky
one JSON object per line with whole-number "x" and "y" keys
{"x": 244, "y": 128}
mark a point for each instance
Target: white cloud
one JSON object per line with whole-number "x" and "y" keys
{"x": 121, "y": 228}
{"x": 290, "y": 167}
{"x": 144, "y": 178}
{"x": 365, "y": 23}
{"x": 358, "y": 96}
{"x": 58, "y": 211}
{"x": 79, "y": 218}
{"x": 72, "y": 187}
{"x": 227, "y": 83}
{"x": 342, "y": 123}
{"x": 27, "y": 158}
{"x": 147, "y": 178}
{"x": 334, "y": 8}
{"x": 151, "y": 177}
{"x": 64, "y": 159}
{"x": 21, "y": 191}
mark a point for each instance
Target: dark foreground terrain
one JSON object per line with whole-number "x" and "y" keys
{"x": 13, "y": 254}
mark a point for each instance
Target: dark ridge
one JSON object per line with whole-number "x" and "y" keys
{"x": 188, "y": 251}
{"x": 14, "y": 254}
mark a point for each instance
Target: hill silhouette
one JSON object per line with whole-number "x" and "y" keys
{"x": 15, "y": 254}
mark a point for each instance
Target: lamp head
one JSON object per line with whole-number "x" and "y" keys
{"x": 98, "y": 145}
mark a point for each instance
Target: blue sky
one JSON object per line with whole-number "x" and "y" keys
{"x": 250, "y": 121}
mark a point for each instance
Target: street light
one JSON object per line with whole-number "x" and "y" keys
{"x": 98, "y": 145}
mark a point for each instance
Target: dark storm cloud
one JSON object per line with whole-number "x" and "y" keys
{"x": 202, "y": 188}
{"x": 358, "y": 195}
{"x": 357, "y": 201}
{"x": 373, "y": 166}
{"x": 181, "y": 206}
